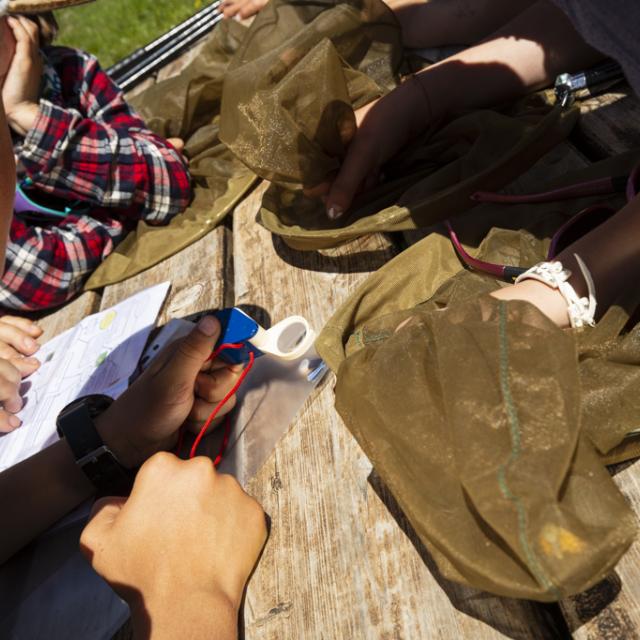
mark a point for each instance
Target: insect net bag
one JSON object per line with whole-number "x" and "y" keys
{"x": 490, "y": 425}
{"x": 287, "y": 113}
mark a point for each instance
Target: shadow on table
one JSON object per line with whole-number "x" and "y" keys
{"x": 503, "y": 614}
{"x": 345, "y": 259}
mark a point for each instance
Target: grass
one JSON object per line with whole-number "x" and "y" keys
{"x": 111, "y": 29}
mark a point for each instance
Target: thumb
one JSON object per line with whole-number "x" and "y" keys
{"x": 103, "y": 516}
{"x": 195, "y": 349}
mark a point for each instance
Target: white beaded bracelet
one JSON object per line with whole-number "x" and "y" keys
{"x": 553, "y": 274}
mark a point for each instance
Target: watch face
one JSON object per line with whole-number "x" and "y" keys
{"x": 95, "y": 403}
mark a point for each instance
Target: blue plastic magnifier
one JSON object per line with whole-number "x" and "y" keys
{"x": 288, "y": 340}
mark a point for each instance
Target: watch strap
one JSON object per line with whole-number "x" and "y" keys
{"x": 76, "y": 424}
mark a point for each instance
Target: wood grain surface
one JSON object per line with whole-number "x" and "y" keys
{"x": 609, "y": 124}
{"x": 197, "y": 276}
{"x": 342, "y": 562}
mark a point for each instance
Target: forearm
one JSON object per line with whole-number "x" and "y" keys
{"x": 184, "y": 614}
{"x": 46, "y": 266}
{"x": 7, "y": 185}
{"x": 522, "y": 56}
{"x": 447, "y": 22}
{"x": 110, "y": 160}
{"x": 36, "y": 493}
{"x": 611, "y": 253}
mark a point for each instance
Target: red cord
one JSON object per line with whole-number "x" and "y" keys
{"x": 216, "y": 410}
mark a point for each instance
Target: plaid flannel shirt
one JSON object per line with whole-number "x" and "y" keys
{"x": 87, "y": 145}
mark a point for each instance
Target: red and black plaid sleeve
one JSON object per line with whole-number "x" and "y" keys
{"x": 94, "y": 147}
{"x": 45, "y": 266}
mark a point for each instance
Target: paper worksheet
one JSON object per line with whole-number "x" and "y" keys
{"x": 98, "y": 355}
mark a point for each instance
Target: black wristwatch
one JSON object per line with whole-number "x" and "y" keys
{"x": 99, "y": 463}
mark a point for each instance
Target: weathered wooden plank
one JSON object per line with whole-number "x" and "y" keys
{"x": 608, "y": 124}
{"x": 69, "y": 315}
{"x": 341, "y": 561}
{"x": 197, "y": 276}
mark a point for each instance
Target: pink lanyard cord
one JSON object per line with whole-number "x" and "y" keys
{"x": 630, "y": 185}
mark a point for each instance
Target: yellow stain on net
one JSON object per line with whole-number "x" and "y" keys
{"x": 107, "y": 320}
{"x": 557, "y": 541}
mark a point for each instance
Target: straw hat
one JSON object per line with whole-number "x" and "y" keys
{"x": 38, "y": 6}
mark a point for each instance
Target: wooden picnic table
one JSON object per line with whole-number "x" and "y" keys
{"x": 342, "y": 561}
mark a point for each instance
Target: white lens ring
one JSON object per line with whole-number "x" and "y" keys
{"x": 289, "y": 339}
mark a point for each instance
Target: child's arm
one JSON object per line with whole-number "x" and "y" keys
{"x": 150, "y": 548}
{"x": 98, "y": 150}
{"x": 524, "y": 55}
{"x": 145, "y": 419}
{"x": 7, "y": 184}
{"x": 47, "y": 266}
{"x": 611, "y": 254}
{"x": 7, "y": 160}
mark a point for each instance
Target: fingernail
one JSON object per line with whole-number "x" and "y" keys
{"x": 32, "y": 361}
{"x": 334, "y": 212}
{"x": 14, "y": 421}
{"x": 30, "y": 343}
{"x": 207, "y": 325}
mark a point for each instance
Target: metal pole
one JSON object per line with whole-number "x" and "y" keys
{"x": 143, "y": 56}
{"x": 165, "y": 54}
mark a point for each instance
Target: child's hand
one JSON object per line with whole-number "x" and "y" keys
{"x": 11, "y": 374}
{"x": 180, "y": 386}
{"x": 18, "y": 337}
{"x": 384, "y": 128}
{"x": 7, "y": 48}
{"x": 185, "y": 530}
{"x": 241, "y": 9}
{"x": 20, "y": 92}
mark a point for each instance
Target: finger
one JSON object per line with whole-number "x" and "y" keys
{"x": 230, "y": 9}
{"x": 19, "y": 33}
{"x": 177, "y": 144}
{"x": 182, "y": 359}
{"x": 214, "y": 386}
{"x": 19, "y": 339}
{"x": 103, "y": 516}
{"x": 8, "y": 422}
{"x": 10, "y": 379}
{"x": 371, "y": 180}
{"x": 358, "y": 163}
{"x": 9, "y": 353}
{"x": 201, "y": 411}
{"x": 219, "y": 363}
{"x": 29, "y": 326}
{"x": 32, "y": 30}
{"x": 250, "y": 8}
{"x": 319, "y": 190}
{"x": 26, "y": 366}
